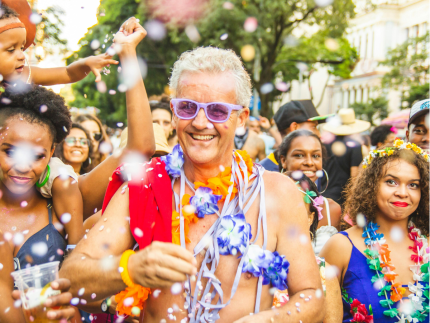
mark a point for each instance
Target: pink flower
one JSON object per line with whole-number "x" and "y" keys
{"x": 360, "y": 313}
{"x": 317, "y": 202}
{"x": 393, "y": 130}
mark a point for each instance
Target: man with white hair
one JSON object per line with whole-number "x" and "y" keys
{"x": 243, "y": 232}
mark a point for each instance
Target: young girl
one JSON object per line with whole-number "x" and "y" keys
{"x": 383, "y": 258}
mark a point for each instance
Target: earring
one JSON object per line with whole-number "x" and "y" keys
{"x": 29, "y": 71}
{"x": 48, "y": 172}
{"x": 326, "y": 175}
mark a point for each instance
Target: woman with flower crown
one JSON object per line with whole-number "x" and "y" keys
{"x": 383, "y": 258}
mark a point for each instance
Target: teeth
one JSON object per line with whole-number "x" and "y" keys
{"x": 76, "y": 152}
{"x": 198, "y": 137}
{"x": 308, "y": 172}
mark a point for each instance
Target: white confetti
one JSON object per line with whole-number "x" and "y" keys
{"x": 74, "y": 301}
{"x": 95, "y": 44}
{"x": 35, "y": 18}
{"x": 251, "y": 24}
{"x": 396, "y": 234}
{"x": 93, "y": 295}
{"x": 128, "y": 301}
{"x": 319, "y": 173}
{"x": 101, "y": 228}
{"x": 176, "y": 288}
{"x": 43, "y": 108}
{"x": 223, "y": 36}
{"x": 81, "y": 291}
{"x": 24, "y": 203}
{"x": 39, "y": 249}
{"x": 66, "y": 217}
{"x": 138, "y": 232}
{"x": 18, "y": 238}
{"x": 361, "y": 220}
{"x": 156, "y": 293}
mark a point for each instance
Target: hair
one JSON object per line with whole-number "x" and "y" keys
{"x": 213, "y": 60}
{"x": 86, "y": 165}
{"x": 96, "y": 157}
{"x": 361, "y": 192}
{"x": 380, "y": 134}
{"x": 287, "y": 141}
{"x": 163, "y": 104}
{"x": 30, "y": 106}
{"x": 306, "y": 184}
{"x": 6, "y": 12}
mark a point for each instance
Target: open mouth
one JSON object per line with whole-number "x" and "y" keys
{"x": 202, "y": 137}
{"x": 77, "y": 153}
{"x": 309, "y": 173}
{"x": 20, "y": 69}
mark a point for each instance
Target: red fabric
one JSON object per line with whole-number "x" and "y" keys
{"x": 150, "y": 201}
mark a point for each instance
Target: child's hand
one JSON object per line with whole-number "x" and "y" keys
{"x": 97, "y": 63}
{"x": 130, "y": 34}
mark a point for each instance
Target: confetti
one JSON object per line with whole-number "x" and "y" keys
{"x": 35, "y": 18}
{"x": 1, "y": 266}
{"x": 251, "y": 24}
{"x": 112, "y": 92}
{"x": 361, "y": 220}
{"x": 101, "y": 87}
{"x": 156, "y": 293}
{"x": 128, "y": 301}
{"x": 43, "y": 108}
{"x": 66, "y": 217}
{"x": 338, "y": 148}
{"x": 331, "y": 44}
{"x": 319, "y": 173}
{"x": 93, "y": 295}
{"x": 39, "y": 249}
{"x": 331, "y": 272}
{"x": 323, "y": 3}
{"x": 247, "y": 52}
{"x": 101, "y": 228}
{"x": 396, "y": 234}
{"x": 266, "y": 88}
{"x": 176, "y": 288}
{"x": 156, "y": 29}
{"x": 81, "y": 291}
{"x": 138, "y": 232}
{"x": 282, "y": 86}
{"x": 228, "y": 5}
{"x": 192, "y": 33}
{"x": 18, "y": 238}
{"x": 223, "y": 36}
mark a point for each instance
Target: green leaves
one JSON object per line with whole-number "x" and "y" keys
{"x": 386, "y": 303}
{"x": 391, "y": 312}
{"x": 307, "y": 198}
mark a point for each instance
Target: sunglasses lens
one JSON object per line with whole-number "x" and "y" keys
{"x": 186, "y": 109}
{"x": 97, "y": 136}
{"x": 217, "y": 112}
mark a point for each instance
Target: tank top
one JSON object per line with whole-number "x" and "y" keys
{"x": 358, "y": 285}
{"x": 323, "y": 233}
{"x": 44, "y": 246}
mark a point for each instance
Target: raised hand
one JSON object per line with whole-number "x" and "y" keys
{"x": 265, "y": 123}
{"x": 130, "y": 34}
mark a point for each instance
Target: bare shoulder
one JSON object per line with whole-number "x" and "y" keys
{"x": 279, "y": 184}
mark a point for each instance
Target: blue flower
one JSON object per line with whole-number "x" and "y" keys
{"x": 174, "y": 161}
{"x": 256, "y": 260}
{"x": 205, "y": 201}
{"x": 277, "y": 272}
{"x": 369, "y": 233}
{"x": 233, "y": 234}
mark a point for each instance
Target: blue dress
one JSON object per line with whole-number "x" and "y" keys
{"x": 358, "y": 285}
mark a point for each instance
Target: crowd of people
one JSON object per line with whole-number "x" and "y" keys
{"x": 197, "y": 211}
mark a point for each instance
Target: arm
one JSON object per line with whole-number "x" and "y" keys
{"x": 95, "y": 261}
{"x": 67, "y": 198}
{"x": 334, "y": 308}
{"x": 261, "y": 149}
{"x": 70, "y": 74}
{"x": 303, "y": 276}
{"x": 6, "y": 286}
{"x": 140, "y": 133}
{"x": 354, "y": 171}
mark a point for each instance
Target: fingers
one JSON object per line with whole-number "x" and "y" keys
{"x": 167, "y": 277}
{"x": 16, "y": 294}
{"x": 129, "y": 26}
{"x": 59, "y": 300}
{"x": 64, "y": 313}
{"x": 111, "y": 61}
{"x": 175, "y": 250}
{"x": 61, "y": 284}
{"x": 177, "y": 265}
{"x": 97, "y": 74}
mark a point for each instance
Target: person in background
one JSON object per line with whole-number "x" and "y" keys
{"x": 249, "y": 140}
{"x": 292, "y": 116}
{"x": 382, "y": 135}
{"x": 115, "y": 138}
{"x": 344, "y": 154}
{"x": 257, "y": 124}
{"x": 162, "y": 115}
{"x": 418, "y": 125}
{"x": 98, "y": 136}
{"x": 301, "y": 154}
{"x": 76, "y": 149}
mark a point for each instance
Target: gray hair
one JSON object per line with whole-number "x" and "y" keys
{"x": 214, "y": 60}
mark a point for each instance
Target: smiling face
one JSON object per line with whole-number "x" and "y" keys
{"x": 25, "y": 152}
{"x": 12, "y": 43}
{"x": 399, "y": 190}
{"x": 204, "y": 142}
{"x": 418, "y": 132}
{"x": 305, "y": 154}
{"x": 94, "y": 130}
{"x": 75, "y": 152}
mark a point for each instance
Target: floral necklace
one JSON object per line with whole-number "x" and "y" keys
{"x": 379, "y": 260}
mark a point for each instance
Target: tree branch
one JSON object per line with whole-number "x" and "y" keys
{"x": 304, "y": 17}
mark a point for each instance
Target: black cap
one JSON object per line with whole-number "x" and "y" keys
{"x": 296, "y": 111}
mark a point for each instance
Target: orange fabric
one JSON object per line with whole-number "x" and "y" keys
{"x": 138, "y": 293}
{"x": 23, "y": 9}
{"x": 12, "y": 26}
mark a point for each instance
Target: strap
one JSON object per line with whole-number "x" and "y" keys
{"x": 327, "y": 209}
{"x": 346, "y": 235}
{"x": 49, "y": 206}
{"x": 12, "y": 26}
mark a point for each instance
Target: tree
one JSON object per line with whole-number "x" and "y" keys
{"x": 373, "y": 109}
{"x": 409, "y": 70}
{"x": 276, "y": 57}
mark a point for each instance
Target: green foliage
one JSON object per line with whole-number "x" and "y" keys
{"x": 277, "y": 19}
{"x": 409, "y": 70}
{"x": 373, "y": 109}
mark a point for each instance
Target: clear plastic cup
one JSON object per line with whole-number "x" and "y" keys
{"x": 34, "y": 283}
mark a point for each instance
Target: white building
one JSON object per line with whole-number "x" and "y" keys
{"x": 373, "y": 32}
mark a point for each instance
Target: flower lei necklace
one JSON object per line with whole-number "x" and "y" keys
{"x": 379, "y": 260}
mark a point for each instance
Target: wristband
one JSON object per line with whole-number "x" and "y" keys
{"x": 123, "y": 263}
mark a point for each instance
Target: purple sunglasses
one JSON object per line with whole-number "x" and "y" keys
{"x": 215, "y": 111}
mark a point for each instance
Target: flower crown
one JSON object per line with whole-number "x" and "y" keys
{"x": 398, "y": 145}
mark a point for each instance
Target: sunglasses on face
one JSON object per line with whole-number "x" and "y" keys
{"x": 72, "y": 141}
{"x": 217, "y": 112}
{"x": 97, "y": 136}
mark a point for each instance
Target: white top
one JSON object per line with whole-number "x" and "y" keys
{"x": 323, "y": 233}
{"x": 58, "y": 168}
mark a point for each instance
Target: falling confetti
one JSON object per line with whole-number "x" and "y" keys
{"x": 223, "y": 36}
{"x": 95, "y": 44}
{"x": 266, "y": 88}
{"x": 101, "y": 87}
{"x": 176, "y": 288}
{"x": 338, "y": 148}
{"x": 192, "y": 33}
{"x": 323, "y": 3}
{"x": 43, "y": 108}
{"x": 39, "y": 249}
{"x": 396, "y": 234}
{"x": 297, "y": 175}
{"x": 81, "y": 291}
{"x": 228, "y": 5}
{"x": 138, "y": 232}
{"x": 112, "y": 92}
{"x": 66, "y": 217}
{"x": 35, "y": 18}
{"x": 331, "y": 44}
{"x": 251, "y": 24}
{"x": 319, "y": 173}
{"x": 331, "y": 272}
{"x": 361, "y": 220}
{"x": 18, "y": 238}
{"x": 156, "y": 29}
{"x": 282, "y": 86}
{"x": 247, "y": 52}
{"x": 74, "y": 301}
{"x": 156, "y": 293}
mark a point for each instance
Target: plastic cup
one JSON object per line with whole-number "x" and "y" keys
{"x": 34, "y": 283}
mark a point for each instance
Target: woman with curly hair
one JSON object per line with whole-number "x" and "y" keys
{"x": 383, "y": 258}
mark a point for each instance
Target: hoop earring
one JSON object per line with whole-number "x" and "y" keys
{"x": 29, "y": 71}
{"x": 312, "y": 235}
{"x": 48, "y": 172}
{"x": 326, "y": 175}
{"x": 282, "y": 171}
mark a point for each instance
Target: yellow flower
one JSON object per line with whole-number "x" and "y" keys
{"x": 409, "y": 145}
{"x": 398, "y": 143}
{"x": 390, "y": 152}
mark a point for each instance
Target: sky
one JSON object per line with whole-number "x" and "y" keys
{"x": 79, "y": 16}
